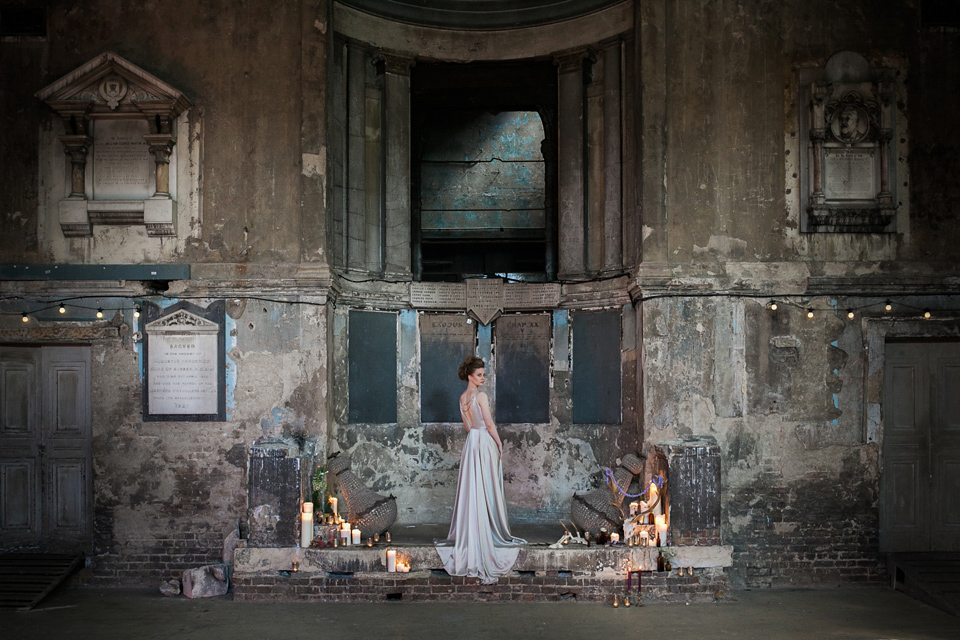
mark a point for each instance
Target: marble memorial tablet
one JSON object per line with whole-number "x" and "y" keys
{"x": 849, "y": 174}
{"x": 485, "y": 298}
{"x": 122, "y": 164}
{"x": 523, "y": 368}
{"x": 184, "y": 366}
{"x": 438, "y": 295}
{"x": 445, "y": 339}
{"x": 531, "y": 296}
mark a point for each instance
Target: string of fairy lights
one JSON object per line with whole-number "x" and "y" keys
{"x": 67, "y": 307}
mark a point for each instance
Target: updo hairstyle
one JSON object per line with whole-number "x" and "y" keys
{"x": 468, "y": 366}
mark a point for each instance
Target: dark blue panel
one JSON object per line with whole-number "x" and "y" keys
{"x": 523, "y": 368}
{"x": 372, "y": 360}
{"x": 596, "y": 367}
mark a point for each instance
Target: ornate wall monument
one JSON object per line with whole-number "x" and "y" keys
{"x": 119, "y": 139}
{"x": 850, "y": 184}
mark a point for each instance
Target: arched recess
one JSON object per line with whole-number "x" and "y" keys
{"x": 384, "y": 70}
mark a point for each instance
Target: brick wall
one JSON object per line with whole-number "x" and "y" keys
{"x": 139, "y": 562}
{"x": 424, "y": 586}
{"x": 815, "y": 532}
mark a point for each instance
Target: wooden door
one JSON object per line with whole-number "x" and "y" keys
{"x": 45, "y": 448}
{"x": 920, "y": 493}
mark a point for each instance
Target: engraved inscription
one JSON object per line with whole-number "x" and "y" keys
{"x": 122, "y": 165}
{"x": 524, "y": 327}
{"x": 438, "y": 295}
{"x": 485, "y": 298}
{"x": 531, "y": 296}
{"x": 182, "y": 373}
{"x": 849, "y": 174}
{"x": 436, "y": 327}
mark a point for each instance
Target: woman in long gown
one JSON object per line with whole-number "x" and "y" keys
{"x": 479, "y": 543}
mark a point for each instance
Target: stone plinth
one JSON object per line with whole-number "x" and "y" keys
{"x": 540, "y": 574}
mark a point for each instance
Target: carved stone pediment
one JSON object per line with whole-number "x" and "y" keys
{"x": 110, "y": 86}
{"x": 122, "y": 121}
{"x": 181, "y": 321}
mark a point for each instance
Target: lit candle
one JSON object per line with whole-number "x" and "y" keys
{"x": 308, "y": 507}
{"x": 644, "y": 538}
{"x": 391, "y": 560}
{"x": 661, "y": 521}
{"x": 333, "y": 507}
{"x": 614, "y": 538}
{"x": 634, "y": 507}
{"x": 356, "y": 537}
{"x": 306, "y": 527}
{"x": 345, "y": 532}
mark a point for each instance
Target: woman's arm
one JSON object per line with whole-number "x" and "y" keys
{"x": 488, "y": 420}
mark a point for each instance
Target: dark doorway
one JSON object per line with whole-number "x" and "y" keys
{"x": 484, "y": 169}
{"x": 920, "y": 500}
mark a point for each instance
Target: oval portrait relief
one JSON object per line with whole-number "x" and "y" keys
{"x": 850, "y": 124}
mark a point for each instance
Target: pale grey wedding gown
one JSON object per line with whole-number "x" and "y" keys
{"x": 479, "y": 543}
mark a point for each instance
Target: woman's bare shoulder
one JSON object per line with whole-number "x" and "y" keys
{"x": 482, "y": 398}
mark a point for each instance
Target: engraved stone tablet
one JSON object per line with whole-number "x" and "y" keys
{"x": 438, "y": 295}
{"x": 184, "y": 370}
{"x": 122, "y": 164}
{"x": 849, "y": 174}
{"x": 523, "y": 368}
{"x": 531, "y": 296}
{"x": 485, "y": 298}
{"x": 444, "y": 341}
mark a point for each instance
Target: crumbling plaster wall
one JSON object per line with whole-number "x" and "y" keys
{"x": 544, "y": 464}
{"x": 167, "y": 493}
{"x": 783, "y": 395}
{"x": 239, "y": 146}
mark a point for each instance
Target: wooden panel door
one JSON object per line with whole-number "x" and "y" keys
{"x": 920, "y": 484}
{"x": 20, "y": 473}
{"x": 45, "y": 448}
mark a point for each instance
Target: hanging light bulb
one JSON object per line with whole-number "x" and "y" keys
{"x": 850, "y": 313}
{"x": 772, "y": 305}
{"x": 63, "y": 309}
{"x": 888, "y": 306}
{"x": 25, "y": 317}
{"x": 99, "y": 313}
{"x": 926, "y": 314}
{"x": 810, "y": 313}
{"x": 136, "y": 311}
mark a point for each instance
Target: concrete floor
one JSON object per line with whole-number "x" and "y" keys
{"x": 144, "y": 614}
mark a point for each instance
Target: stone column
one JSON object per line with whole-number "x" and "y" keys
{"x": 77, "y": 147}
{"x": 570, "y": 161}
{"x": 612, "y": 204}
{"x": 396, "y": 131}
{"x": 356, "y": 159}
{"x": 161, "y": 147}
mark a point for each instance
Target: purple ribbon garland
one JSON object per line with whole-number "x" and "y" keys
{"x": 657, "y": 480}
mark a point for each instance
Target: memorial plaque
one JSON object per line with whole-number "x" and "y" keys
{"x": 122, "y": 164}
{"x": 438, "y": 295}
{"x": 523, "y": 368}
{"x": 849, "y": 174}
{"x": 485, "y": 298}
{"x": 531, "y": 296}
{"x": 445, "y": 339}
{"x": 372, "y": 367}
{"x": 184, "y": 363}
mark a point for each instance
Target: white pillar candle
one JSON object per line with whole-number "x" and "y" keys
{"x": 644, "y": 538}
{"x": 345, "y": 532}
{"x": 308, "y": 507}
{"x": 306, "y": 528}
{"x": 662, "y": 529}
{"x": 333, "y": 507}
{"x": 634, "y": 507}
{"x": 356, "y": 537}
{"x": 391, "y": 560}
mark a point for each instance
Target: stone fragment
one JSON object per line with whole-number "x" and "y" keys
{"x": 206, "y": 581}
{"x": 230, "y": 545}
{"x": 170, "y": 588}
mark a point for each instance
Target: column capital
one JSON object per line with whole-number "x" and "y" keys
{"x": 572, "y": 59}
{"x": 393, "y": 63}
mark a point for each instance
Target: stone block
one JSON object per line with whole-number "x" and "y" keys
{"x": 206, "y": 581}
